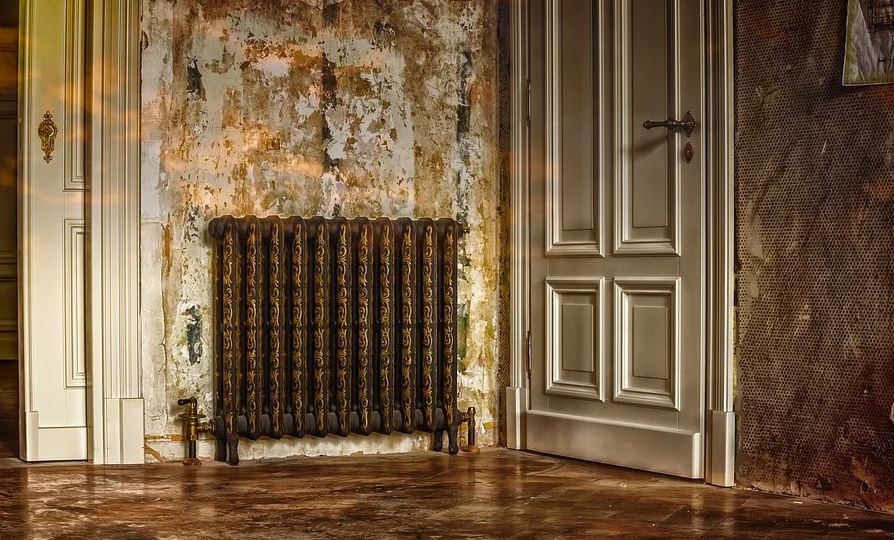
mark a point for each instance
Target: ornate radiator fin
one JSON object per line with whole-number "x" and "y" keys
{"x": 334, "y": 326}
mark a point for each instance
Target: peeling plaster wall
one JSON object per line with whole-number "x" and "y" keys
{"x": 815, "y": 225}
{"x": 353, "y": 108}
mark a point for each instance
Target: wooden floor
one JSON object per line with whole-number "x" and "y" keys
{"x": 9, "y": 410}
{"x": 496, "y": 494}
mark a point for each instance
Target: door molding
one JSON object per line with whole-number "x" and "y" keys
{"x": 517, "y": 394}
{"x": 720, "y": 423}
{"x": 113, "y": 369}
{"x": 48, "y": 442}
{"x": 719, "y": 68}
{"x": 115, "y": 403}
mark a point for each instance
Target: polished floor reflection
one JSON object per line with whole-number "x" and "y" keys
{"x": 496, "y": 494}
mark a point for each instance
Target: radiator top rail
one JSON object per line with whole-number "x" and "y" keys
{"x": 215, "y": 226}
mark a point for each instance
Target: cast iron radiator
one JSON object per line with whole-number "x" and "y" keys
{"x": 334, "y": 326}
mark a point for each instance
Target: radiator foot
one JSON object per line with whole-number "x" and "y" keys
{"x": 233, "y": 449}
{"x": 221, "y": 448}
{"x": 470, "y": 445}
{"x": 437, "y": 441}
{"x": 452, "y": 443}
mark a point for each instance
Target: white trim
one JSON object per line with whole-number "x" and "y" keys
{"x": 517, "y": 395}
{"x": 617, "y": 443}
{"x": 720, "y": 123}
{"x": 52, "y": 444}
{"x": 24, "y": 214}
{"x": 114, "y": 367}
{"x": 124, "y": 431}
{"x": 75, "y": 110}
{"x": 721, "y": 454}
{"x": 29, "y": 439}
{"x": 75, "y": 281}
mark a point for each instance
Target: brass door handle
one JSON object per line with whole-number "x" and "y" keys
{"x": 687, "y": 125}
{"x": 47, "y": 131}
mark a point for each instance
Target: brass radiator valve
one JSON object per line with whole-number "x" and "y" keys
{"x": 469, "y": 419}
{"x": 192, "y": 426}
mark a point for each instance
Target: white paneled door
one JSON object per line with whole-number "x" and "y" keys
{"x": 617, "y": 233}
{"x": 53, "y": 230}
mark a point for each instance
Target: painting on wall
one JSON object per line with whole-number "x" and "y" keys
{"x": 869, "y": 52}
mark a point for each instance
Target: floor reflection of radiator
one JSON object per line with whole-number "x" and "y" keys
{"x": 334, "y": 326}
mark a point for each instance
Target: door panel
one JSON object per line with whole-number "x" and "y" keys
{"x": 647, "y": 87}
{"x": 647, "y": 326}
{"x": 574, "y": 343}
{"x": 617, "y": 358}
{"x": 573, "y": 144}
{"x": 53, "y": 232}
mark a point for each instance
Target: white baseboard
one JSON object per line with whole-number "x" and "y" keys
{"x": 617, "y": 443}
{"x": 28, "y": 449}
{"x": 65, "y": 443}
{"x": 516, "y": 407}
{"x": 723, "y": 449}
{"x": 124, "y": 431}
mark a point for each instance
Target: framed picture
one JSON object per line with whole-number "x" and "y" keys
{"x": 869, "y": 51}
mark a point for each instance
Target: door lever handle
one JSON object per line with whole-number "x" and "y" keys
{"x": 687, "y": 125}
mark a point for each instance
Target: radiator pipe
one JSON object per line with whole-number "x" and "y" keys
{"x": 192, "y": 426}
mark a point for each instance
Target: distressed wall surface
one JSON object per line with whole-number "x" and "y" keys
{"x": 354, "y": 108}
{"x": 815, "y": 204}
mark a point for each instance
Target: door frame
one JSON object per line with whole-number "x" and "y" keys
{"x": 115, "y": 422}
{"x": 719, "y": 428}
{"x": 113, "y": 336}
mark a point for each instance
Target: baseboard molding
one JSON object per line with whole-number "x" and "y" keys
{"x": 617, "y": 443}
{"x": 516, "y": 406}
{"x": 28, "y": 452}
{"x": 52, "y": 443}
{"x": 723, "y": 449}
{"x": 123, "y": 431}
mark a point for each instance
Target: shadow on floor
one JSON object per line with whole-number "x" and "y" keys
{"x": 9, "y": 409}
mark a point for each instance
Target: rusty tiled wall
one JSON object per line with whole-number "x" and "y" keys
{"x": 815, "y": 205}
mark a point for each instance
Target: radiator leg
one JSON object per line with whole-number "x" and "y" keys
{"x": 437, "y": 441}
{"x": 452, "y": 444}
{"x": 221, "y": 452}
{"x": 233, "y": 449}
